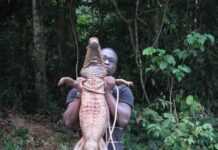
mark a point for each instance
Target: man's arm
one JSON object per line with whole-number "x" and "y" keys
{"x": 71, "y": 115}
{"x": 123, "y": 110}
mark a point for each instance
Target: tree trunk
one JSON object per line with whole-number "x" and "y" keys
{"x": 39, "y": 54}
{"x": 156, "y": 29}
{"x": 60, "y": 25}
{"x": 71, "y": 4}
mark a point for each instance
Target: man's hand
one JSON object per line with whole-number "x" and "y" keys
{"x": 109, "y": 83}
{"x": 78, "y": 83}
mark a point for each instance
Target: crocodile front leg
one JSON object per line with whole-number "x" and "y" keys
{"x": 122, "y": 81}
{"x": 71, "y": 82}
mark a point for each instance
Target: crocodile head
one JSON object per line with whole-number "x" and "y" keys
{"x": 93, "y": 64}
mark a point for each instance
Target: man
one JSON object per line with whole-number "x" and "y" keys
{"x": 125, "y": 104}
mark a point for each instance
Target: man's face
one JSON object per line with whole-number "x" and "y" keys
{"x": 110, "y": 60}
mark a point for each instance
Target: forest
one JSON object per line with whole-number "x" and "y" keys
{"x": 168, "y": 48}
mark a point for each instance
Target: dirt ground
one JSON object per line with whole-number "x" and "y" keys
{"x": 34, "y": 133}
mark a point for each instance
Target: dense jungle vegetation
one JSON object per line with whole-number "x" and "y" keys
{"x": 168, "y": 48}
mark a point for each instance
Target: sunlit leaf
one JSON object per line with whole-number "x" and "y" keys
{"x": 184, "y": 68}
{"x": 170, "y": 59}
{"x": 163, "y": 65}
{"x": 189, "y": 100}
{"x": 211, "y": 38}
{"x": 149, "y": 51}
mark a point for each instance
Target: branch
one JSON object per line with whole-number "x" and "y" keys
{"x": 118, "y": 12}
{"x": 161, "y": 27}
{"x": 138, "y": 55}
{"x": 142, "y": 21}
{"x": 136, "y": 33}
{"x": 75, "y": 37}
{"x": 134, "y": 43}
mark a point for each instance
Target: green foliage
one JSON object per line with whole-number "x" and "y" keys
{"x": 12, "y": 138}
{"x": 86, "y": 19}
{"x": 64, "y": 147}
{"x": 186, "y": 130}
{"x": 173, "y": 64}
{"x": 16, "y": 140}
{"x": 197, "y": 41}
{"x": 174, "y": 121}
{"x": 160, "y": 60}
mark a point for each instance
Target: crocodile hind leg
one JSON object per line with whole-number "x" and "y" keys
{"x": 91, "y": 144}
{"x": 86, "y": 144}
{"x": 79, "y": 145}
{"x": 83, "y": 144}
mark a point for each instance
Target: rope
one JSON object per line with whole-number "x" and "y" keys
{"x": 111, "y": 129}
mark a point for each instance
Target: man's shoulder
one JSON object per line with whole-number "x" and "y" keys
{"x": 125, "y": 94}
{"x": 123, "y": 88}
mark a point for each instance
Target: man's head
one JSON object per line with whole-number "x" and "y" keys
{"x": 110, "y": 60}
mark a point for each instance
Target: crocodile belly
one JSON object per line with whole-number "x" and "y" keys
{"x": 93, "y": 115}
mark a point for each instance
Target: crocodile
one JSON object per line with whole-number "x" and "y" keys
{"x": 94, "y": 111}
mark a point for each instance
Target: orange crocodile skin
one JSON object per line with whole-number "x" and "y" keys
{"x": 94, "y": 115}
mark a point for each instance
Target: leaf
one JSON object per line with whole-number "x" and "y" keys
{"x": 178, "y": 73}
{"x": 170, "y": 59}
{"x": 184, "y": 54}
{"x": 170, "y": 117}
{"x": 178, "y": 53}
{"x": 202, "y": 48}
{"x": 211, "y": 38}
{"x": 184, "y": 68}
{"x": 161, "y": 52}
{"x": 190, "y": 140}
{"x": 190, "y": 38}
{"x": 149, "y": 51}
{"x": 84, "y": 20}
{"x": 202, "y": 40}
{"x": 189, "y": 100}
{"x": 154, "y": 129}
{"x": 163, "y": 65}
{"x": 148, "y": 70}
{"x": 207, "y": 126}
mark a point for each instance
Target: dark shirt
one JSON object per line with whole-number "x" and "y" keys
{"x": 125, "y": 96}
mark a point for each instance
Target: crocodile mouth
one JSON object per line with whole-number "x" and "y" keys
{"x": 93, "y": 54}
{"x": 93, "y": 64}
